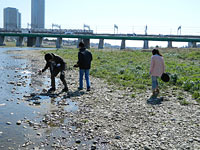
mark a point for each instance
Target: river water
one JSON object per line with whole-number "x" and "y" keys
{"x": 12, "y": 109}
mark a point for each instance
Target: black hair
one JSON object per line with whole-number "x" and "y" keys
{"x": 81, "y": 44}
{"x": 48, "y": 56}
{"x": 156, "y": 51}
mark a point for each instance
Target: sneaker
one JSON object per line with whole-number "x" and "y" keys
{"x": 80, "y": 88}
{"x": 88, "y": 89}
{"x": 51, "y": 89}
{"x": 65, "y": 90}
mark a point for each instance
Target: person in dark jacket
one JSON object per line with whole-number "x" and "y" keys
{"x": 56, "y": 65}
{"x": 84, "y": 64}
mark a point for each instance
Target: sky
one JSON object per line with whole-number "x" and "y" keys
{"x": 131, "y": 16}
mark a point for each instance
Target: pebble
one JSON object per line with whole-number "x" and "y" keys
{"x": 8, "y": 123}
{"x": 19, "y": 122}
{"x": 78, "y": 141}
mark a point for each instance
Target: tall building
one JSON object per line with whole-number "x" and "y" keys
{"x": 38, "y": 14}
{"x": 12, "y": 18}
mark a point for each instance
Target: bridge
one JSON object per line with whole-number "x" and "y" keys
{"x": 35, "y": 39}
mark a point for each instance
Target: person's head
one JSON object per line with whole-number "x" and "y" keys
{"x": 156, "y": 52}
{"x": 48, "y": 57}
{"x": 81, "y": 45}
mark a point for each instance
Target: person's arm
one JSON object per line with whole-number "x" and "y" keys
{"x": 163, "y": 65}
{"x": 79, "y": 60}
{"x": 91, "y": 56}
{"x": 46, "y": 67}
{"x": 152, "y": 65}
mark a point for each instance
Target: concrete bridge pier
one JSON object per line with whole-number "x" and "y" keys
{"x": 101, "y": 43}
{"x": 123, "y": 44}
{"x": 87, "y": 43}
{"x": 146, "y": 44}
{"x": 59, "y": 42}
{"x": 192, "y": 44}
{"x": 38, "y": 42}
{"x": 169, "y": 44}
{"x": 79, "y": 40}
{"x": 20, "y": 40}
{"x": 31, "y": 41}
{"x": 2, "y": 40}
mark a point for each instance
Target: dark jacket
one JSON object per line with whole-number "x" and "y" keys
{"x": 57, "y": 64}
{"x": 84, "y": 59}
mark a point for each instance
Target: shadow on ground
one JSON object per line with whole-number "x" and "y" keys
{"x": 155, "y": 100}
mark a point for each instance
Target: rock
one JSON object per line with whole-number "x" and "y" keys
{"x": 117, "y": 137}
{"x": 36, "y": 102}
{"x": 19, "y": 122}
{"x": 78, "y": 141}
{"x": 2, "y": 104}
{"x": 93, "y": 147}
{"x": 8, "y": 123}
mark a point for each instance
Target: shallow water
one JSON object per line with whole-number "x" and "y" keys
{"x": 15, "y": 77}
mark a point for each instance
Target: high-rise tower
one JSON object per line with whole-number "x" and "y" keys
{"x": 38, "y": 14}
{"x": 12, "y": 18}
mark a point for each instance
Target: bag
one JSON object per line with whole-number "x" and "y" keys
{"x": 165, "y": 77}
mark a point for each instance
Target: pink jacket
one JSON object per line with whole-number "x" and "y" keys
{"x": 157, "y": 67}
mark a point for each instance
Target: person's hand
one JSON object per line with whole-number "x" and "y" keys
{"x": 76, "y": 65}
{"x": 62, "y": 72}
{"x": 58, "y": 65}
{"x": 40, "y": 72}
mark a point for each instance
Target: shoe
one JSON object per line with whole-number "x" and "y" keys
{"x": 158, "y": 91}
{"x": 65, "y": 90}
{"x": 88, "y": 89}
{"x": 80, "y": 88}
{"x": 51, "y": 89}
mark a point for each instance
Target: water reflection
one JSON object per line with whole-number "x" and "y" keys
{"x": 18, "y": 103}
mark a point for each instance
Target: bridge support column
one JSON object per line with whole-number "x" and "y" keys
{"x": 19, "y": 41}
{"x": 192, "y": 44}
{"x": 59, "y": 42}
{"x": 169, "y": 44}
{"x": 146, "y": 44}
{"x": 79, "y": 40}
{"x": 31, "y": 41}
{"x": 123, "y": 44}
{"x": 87, "y": 43}
{"x": 2, "y": 41}
{"x": 38, "y": 42}
{"x": 101, "y": 43}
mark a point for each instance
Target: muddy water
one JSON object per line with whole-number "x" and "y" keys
{"x": 16, "y": 78}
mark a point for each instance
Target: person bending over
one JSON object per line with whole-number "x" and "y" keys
{"x": 56, "y": 65}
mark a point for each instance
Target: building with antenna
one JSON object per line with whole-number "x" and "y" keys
{"x": 12, "y": 18}
{"x": 37, "y": 14}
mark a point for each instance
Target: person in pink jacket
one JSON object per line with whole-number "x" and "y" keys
{"x": 157, "y": 68}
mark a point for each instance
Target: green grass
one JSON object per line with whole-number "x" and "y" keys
{"x": 131, "y": 68}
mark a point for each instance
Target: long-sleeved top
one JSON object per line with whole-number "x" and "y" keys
{"x": 84, "y": 59}
{"x": 56, "y": 63}
{"x": 157, "y": 67}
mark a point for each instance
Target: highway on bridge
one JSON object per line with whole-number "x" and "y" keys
{"x": 184, "y": 38}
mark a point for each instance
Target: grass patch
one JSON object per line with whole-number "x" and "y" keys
{"x": 131, "y": 68}
{"x": 184, "y": 102}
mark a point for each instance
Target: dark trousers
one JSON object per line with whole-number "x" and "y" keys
{"x": 54, "y": 73}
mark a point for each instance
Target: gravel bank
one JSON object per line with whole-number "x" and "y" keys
{"x": 109, "y": 118}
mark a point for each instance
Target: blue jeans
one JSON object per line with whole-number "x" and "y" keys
{"x": 154, "y": 82}
{"x": 81, "y": 73}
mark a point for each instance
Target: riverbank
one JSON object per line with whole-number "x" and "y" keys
{"x": 109, "y": 116}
